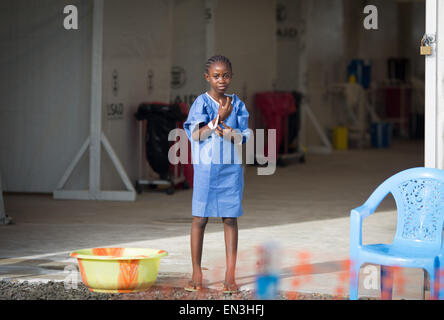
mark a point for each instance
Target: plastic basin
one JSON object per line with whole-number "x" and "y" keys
{"x": 121, "y": 270}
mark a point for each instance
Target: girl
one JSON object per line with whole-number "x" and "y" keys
{"x": 215, "y": 120}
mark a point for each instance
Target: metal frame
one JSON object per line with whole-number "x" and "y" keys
{"x": 434, "y": 98}
{"x": 326, "y": 146}
{"x": 299, "y": 155}
{"x": 175, "y": 180}
{"x": 433, "y": 141}
{"x": 96, "y": 137}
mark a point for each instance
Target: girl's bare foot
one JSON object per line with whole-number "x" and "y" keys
{"x": 193, "y": 286}
{"x": 196, "y": 282}
{"x": 230, "y": 287}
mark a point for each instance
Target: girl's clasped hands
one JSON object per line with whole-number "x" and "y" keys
{"x": 223, "y": 113}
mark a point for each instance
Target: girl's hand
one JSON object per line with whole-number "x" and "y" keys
{"x": 223, "y": 132}
{"x": 225, "y": 109}
{"x": 227, "y": 132}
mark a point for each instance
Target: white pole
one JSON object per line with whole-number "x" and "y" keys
{"x": 439, "y": 87}
{"x": 96, "y": 100}
{"x": 430, "y": 142}
{"x": 96, "y": 136}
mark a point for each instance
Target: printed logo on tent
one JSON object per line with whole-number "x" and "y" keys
{"x": 208, "y": 14}
{"x": 115, "y": 82}
{"x": 178, "y": 78}
{"x": 288, "y": 33}
{"x": 186, "y": 98}
{"x": 114, "y": 111}
{"x": 284, "y": 32}
{"x": 150, "y": 81}
{"x": 281, "y": 13}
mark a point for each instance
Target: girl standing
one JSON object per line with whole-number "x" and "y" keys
{"x": 215, "y": 120}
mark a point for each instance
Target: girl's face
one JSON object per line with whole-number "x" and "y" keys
{"x": 219, "y": 77}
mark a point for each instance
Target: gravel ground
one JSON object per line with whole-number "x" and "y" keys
{"x": 13, "y": 290}
{"x": 162, "y": 293}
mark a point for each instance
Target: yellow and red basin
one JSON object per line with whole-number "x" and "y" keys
{"x": 121, "y": 270}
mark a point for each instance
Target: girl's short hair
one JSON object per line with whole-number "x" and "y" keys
{"x": 217, "y": 58}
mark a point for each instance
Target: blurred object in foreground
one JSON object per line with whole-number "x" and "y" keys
{"x": 267, "y": 278}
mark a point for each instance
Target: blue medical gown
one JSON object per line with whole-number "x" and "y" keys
{"x": 218, "y": 173}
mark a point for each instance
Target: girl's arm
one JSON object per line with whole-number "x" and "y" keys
{"x": 205, "y": 131}
{"x": 223, "y": 112}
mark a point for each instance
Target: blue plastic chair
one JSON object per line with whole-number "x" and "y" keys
{"x": 419, "y": 197}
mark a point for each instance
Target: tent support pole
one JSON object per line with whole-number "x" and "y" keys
{"x": 96, "y": 137}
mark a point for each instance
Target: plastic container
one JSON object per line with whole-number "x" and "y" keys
{"x": 340, "y": 138}
{"x": 361, "y": 70}
{"x": 381, "y": 134}
{"x": 121, "y": 270}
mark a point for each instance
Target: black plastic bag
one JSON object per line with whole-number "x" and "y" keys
{"x": 161, "y": 119}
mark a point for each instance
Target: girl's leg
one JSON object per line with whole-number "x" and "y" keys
{"x": 197, "y": 235}
{"x": 231, "y": 234}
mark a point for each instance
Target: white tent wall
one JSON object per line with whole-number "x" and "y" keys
{"x": 290, "y": 22}
{"x": 137, "y": 47}
{"x": 46, "y": 81}
{"x": 325, "y": 59}
{"x": 245, "y": 32}
{"x": 44, "y": 92}
{"x": 188, "y": 50}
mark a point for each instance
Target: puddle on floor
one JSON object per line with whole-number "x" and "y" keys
{"x": 25, "y": 270}
{"x": 13, "y": 268}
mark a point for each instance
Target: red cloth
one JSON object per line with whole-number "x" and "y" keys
{"x": 396, "y": 108}
{"x": 275, "y": 107}
{"x": 187, "y": 168}
{"x": 393, "y": 98}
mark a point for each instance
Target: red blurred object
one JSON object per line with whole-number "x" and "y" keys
{"x": 275, "y": 107}
{"x": 398, "y": 106}
{"x": 188, "y": 170}
{"x": 395, "y": 99}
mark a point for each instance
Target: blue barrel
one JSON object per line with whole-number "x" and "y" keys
{"x": 361, "y": 69}
{"x": 381, "y": 134}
